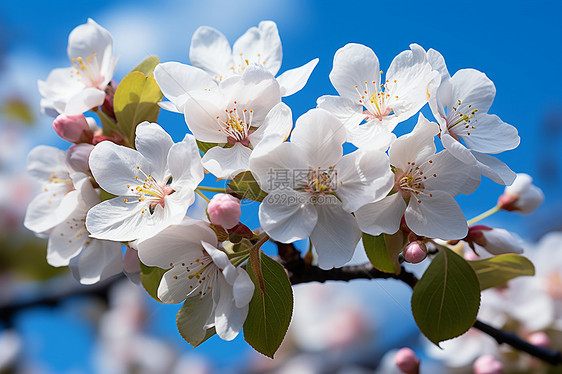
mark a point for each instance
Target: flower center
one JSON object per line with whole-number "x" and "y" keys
{"x": 87, "y": 70}
{"x": 459, "y": 123}
{"x": 243, "y": 63}
{"x": 316, "y": 182}
{"x": 203, "y": 269}
{"x": 236, "y": 125}
{"x": 411, "y": 182}
{"x": 151, "y": 191}
{"x": 378, "y": 103}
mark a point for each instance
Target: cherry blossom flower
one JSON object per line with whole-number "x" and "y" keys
{"x": 235, "y": 114}
{"x": 224, "y": 210}
{"x": 260, "y": 45}
{"x": 495, "y": 241}
{"x": 363, "y": 96}
{"x": 201, "y": 274}
{"x": 91, "y": 260}
{"x": 57, "y": 198}
{"x": 155, "y": 184}
{"x": 81, "y": 87}
{"x": 461, "y": 106}
{"x": 425, "y": 184}
{"x": 313, "y": 188}
{"x": 522, "y": 196}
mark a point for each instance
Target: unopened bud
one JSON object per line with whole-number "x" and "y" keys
{"x": 495, "y": 241}
{"x": 539, "y": 339}
{"x": 73, "y": 128}
{"x": 407, "y": 361}
{"x": 224, "y": 210}
{"x": 77, "y": 157}
{"x": 415, "y": 252}
{"x": 487, "y": 365}
{"x": 522, "y": 196}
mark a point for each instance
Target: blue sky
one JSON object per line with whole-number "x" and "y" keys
{"x": 516, "y": 43}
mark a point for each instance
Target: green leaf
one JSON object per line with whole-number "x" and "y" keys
{"x": 446, "y": 299}
{"x": 147, "y": 66}
{"x": 270, "y": 312}
{"x": 194, "y": 309}
{"x": 383, "y": 251}
{"x": 497, "y": 270}
{"x": 204, "y": 147}
{"x": 245, "y": 186}
{"x": 150, "y": 279}
{"x": 136, "y": 100}
{"x": 104, "y": 195}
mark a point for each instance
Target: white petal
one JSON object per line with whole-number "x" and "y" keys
{"x": 61, "y": 84}
{"x": 349, "y": 113}
{"x": 491, "y": 135}
{"x": 221, "y": 260}
{"x": 292, "y": 81}
{"x": 260, "y": 45}
{"x": 335, "y": 235}
{"x": 65, "y": 242}
{"x": 99, "y": 260}
{"x": 321, "y": 136}
{"x": 416, "y": 146}
{"x": 450, "y": 174}
{"x": 177, "y": 80}
{"x": 457, "y": 149}
{"x": 210, "y": 51}
{"x": 87, "y": 39}
{"x": 273, "y": 162}
{"x": 84, "y": 100}
{"x": 287, "y": 215}
{"x": 175, "y": 285}
{"x": 374, "y": 134}
{"x": 473, "y": 88}
{"x": 438, "y": 63}
{"x": 201, "y": 118}
{"x": 363, "y": 177}
{"x": 355, "y": 65}
{"x": 495, "y": 169}
{"x": 256, "y": 89}
{"x": 499, "y": 241}
{"x": 243, "y": 289}
{"x": 50, "y": 208}
{"x": 176, "y": 242}
{"x": 154, "y": 144}
{"x": 438, "y": 216}
{"x": 44, "y": 162}
{"x": 229, "y": 319}
{"x": 120, "y": 220}
{"x": 383, "y": 216}
{"x": 114, "y": 167}
{"x": 225, "y": 163}
{"x": 184, "y": 162}
{"x": 408, "y": 78}
{"x": 278, "y": 121}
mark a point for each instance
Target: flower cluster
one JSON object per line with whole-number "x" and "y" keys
{"x": 127, "y": 183}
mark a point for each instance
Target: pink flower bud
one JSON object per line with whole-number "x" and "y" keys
{"x": 407, "y": 361}
{"x": 75, "y": 129}
{"x": 487, "y": 365}
{"x": 77, "y": 157}
{"x": 495, "y": 241}
{"x": 415, "y": 252}
{"x": 224, "y": 210}
{"x": 539, "y": 339}
{"x": 522, "y": 196}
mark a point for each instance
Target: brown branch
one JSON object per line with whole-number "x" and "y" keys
{"x": 302, "y": 272}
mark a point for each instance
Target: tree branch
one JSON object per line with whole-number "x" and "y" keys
{"x": 302, "y": 272}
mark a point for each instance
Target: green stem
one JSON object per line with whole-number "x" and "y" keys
{"x": 486, "y": 214}
{"x": 211, "y": 189}
{"x": 202, "y": 195}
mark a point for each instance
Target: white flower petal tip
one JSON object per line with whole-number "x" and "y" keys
{"x": 294, "y": 80}
{"x": 522, "y": 196}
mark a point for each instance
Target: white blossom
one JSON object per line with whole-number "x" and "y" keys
{"x": 81, "y": 87}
